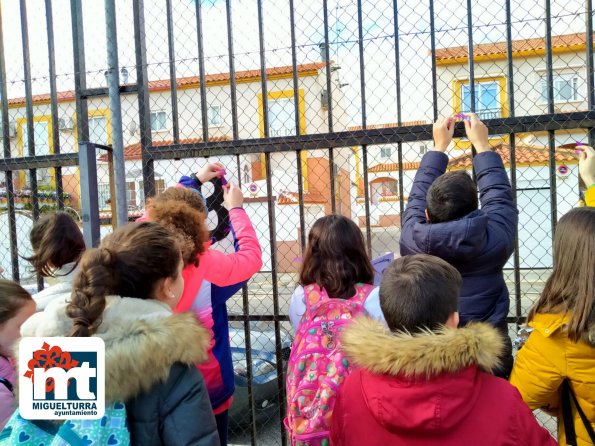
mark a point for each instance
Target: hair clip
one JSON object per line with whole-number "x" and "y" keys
{"x": 462, "y": 116}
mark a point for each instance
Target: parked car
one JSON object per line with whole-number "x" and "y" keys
{"x": 265, "y": 382}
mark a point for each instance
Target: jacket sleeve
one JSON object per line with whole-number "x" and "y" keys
{"x": 528, "y": 430}
{"x": 433, "y": 164}
{"x": 535, "y": 377}
{"x": 186, "y": 414}
{"x": 590, "y": 196}
{"x": 228, "y": 269}
{"x": 495, "y": 195}
{"x": 7, "y": 405}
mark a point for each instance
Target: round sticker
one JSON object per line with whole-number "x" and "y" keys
{"x": 563, "y": 170}
{"x": 253, "y": 188}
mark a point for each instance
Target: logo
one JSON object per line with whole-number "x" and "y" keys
{"x": 61, "y": 378}
{"x": 253, "y": 188}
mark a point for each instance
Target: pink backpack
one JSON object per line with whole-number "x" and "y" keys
{"x": 317, "y": 366}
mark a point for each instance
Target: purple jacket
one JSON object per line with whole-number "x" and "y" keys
{"x": 478, "y": 245}
{"x": 7, "y": 400}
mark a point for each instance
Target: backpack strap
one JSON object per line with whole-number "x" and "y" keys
{"x": 7, "y": 384}
{"x": 568, "y": 397}
{"x": 314, "y": 295}
{"x": 362, "y": 291}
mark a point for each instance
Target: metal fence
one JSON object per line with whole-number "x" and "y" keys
{"x": 314, "y": 107}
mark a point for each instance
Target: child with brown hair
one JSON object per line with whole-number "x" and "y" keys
{"x": 125, "y": 294}
{"x": 423, "y": 381}
{"x": 335, "y": 282}
{"x": 58, "y": 244}
{"x": 211, "y": 277}
{"x": 16, "y": 306}
{"x": 555, "y": 369}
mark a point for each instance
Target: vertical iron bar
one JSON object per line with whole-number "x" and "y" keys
{"x": 89, "y": 197}
{"x": 172, "y": 72}
{"x": 367, "y": 199}
{"x": 399, "y": 117}
{"x": 273, "y": 247}
{"x": 201, "y": 73}
{"x": 119, "y": 169}
{"x": 87, "y": 162}
{"x": 232, "y": 71}
{"x": 433, "y": 51}
{"x": 550, "y": 108}
{"x": 29, "y": 108}
{"x": 298, "y": 129}
{"x": 471, "y": 73}
{"x": 249, "y": 371}
{"x": 49, "y": 20}
{"x": 513, "y": 177}
{"x": 144, "y": 110}
{"x": 329, "y": 105}
{"x": 590, "y": 73}
{"x": 10, "y": 196}
{"x": 263, "y": 72}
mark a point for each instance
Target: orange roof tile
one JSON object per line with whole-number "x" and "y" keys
{"x": 192, "y": 81}
{"x": 393, "y": 167}
{"x": 310, "y": 197}
{"x": 387, "y": 125}
{"x": 526, "y": 155}
{"x": 134, "y": 151}
{"x": 456, "y": 53}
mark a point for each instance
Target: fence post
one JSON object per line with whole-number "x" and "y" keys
{"x": 113, "y": 83}
{"x": 89, "y": 197}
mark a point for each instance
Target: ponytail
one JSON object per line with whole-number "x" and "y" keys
{"x": 130, "y": 262}
{"x": 95, "y": 281}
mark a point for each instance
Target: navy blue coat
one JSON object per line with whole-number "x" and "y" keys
{"x": 477, "y": 245}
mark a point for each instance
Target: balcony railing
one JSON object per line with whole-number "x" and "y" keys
{"x": 489, "y": 114}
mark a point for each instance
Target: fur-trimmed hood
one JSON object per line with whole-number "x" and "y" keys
{"x": 372, "y": 346}
{"x": 143, "y": 339}
{"x": 424, "y": 382}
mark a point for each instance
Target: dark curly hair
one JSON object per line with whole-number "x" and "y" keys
{"x": 182, "y": 212}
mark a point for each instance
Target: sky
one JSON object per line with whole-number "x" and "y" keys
{"x": 378, "y": 36}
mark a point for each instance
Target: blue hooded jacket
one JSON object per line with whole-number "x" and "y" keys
{"x": 477, "y": 245}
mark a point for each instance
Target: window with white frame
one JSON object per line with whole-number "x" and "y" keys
{"x": 104, "y": 195}
{"x": 158, "y": 121}
{"x": 41, "y": 132}
{"x": 281, "y": 117}
{"x": 565, "y": 88}
{"x": 98, "y": 130}
{"x": 386, "y": 152}
{"x": 214, "y": 115}
{"x": 487, "y": 99}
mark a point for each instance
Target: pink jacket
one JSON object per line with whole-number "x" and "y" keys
{"x": 224, "y": 269}
{"x": 7, "y": 400}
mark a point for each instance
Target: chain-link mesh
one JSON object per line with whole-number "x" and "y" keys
{"x": 340, "y": 124}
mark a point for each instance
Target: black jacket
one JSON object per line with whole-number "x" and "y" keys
{"x": 176, "y": 412}
{"x": 150, "y": 357}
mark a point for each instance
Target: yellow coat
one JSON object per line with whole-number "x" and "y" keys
{"x": 549, "y": 357}
{"x": 590, "y": 196}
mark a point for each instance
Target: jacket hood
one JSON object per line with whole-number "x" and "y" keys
{"x": 549, "y": 323}
{"x": 458, "y": 239}
{"x": 423, "y": 381}
{"x": 143, "y": 339}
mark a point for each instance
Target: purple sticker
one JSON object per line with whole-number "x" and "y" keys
{"x": 253, "y": 188}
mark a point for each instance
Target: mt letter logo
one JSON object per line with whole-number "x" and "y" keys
{"x": 61, "y": 378}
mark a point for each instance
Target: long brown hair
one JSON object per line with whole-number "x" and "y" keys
{"x": 56, "y": 240}
{"x": 13, "y": 297}
{"x": 571, "y": 287}
{"x": 336, "y": 257}
{"x": 128, "y": 263}
{"x": 182, "y": 212}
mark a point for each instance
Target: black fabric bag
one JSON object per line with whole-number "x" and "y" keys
{"x": 568, "y": 397}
